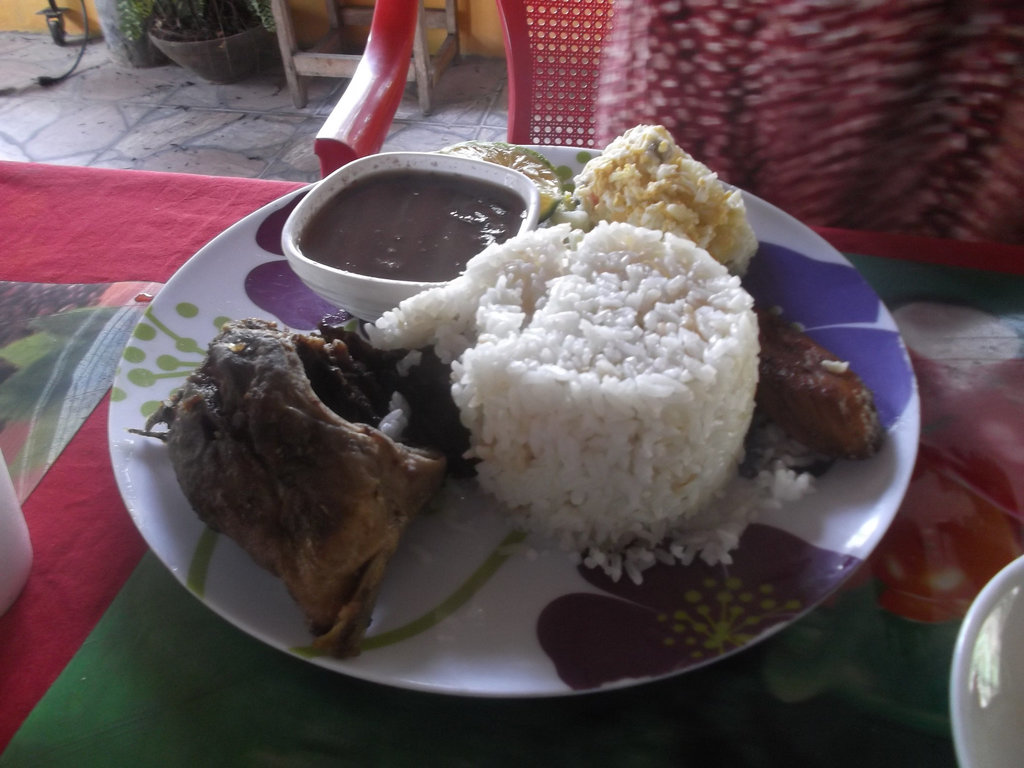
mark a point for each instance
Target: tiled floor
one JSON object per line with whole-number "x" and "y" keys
{"x": 164, "y": 118}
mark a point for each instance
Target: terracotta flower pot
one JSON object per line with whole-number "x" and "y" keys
{"x": 220, "y": 60}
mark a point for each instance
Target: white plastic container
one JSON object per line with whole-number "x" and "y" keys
{"x": 15, "y": 547}
{"x": 986, "y": 692}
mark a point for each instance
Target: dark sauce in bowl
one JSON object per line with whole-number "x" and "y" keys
{"x": 411, "y": 225}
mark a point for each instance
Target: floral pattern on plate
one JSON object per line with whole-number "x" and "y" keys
{"x": 682, "y": 618}
{"x": 518, "y": 620}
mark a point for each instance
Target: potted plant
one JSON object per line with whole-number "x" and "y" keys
{"x": 219, "y": 40}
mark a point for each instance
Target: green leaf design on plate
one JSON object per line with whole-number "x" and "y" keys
{"x": 164, "y": 366}
{"x": 444, "y": 609}
{"x": 144, "y": 331}
{"x": 186, "y": 309}
{"x": 199, "y": 566}
{"x": 149, "y": 407}
{"x": 565, "y": 173}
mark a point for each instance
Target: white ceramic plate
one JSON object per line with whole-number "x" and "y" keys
{"x": 986, "y": 693}
{"x": 464, "y": 609}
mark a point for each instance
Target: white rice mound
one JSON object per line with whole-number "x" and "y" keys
{"x": 644, "y": 178}
{"x": 507, "y": 279}
{"x": 607, "y": 380}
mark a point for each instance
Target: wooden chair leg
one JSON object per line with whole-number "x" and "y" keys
{"x": 421, "y": 63}
{"x": 326, "y": 60}
{"x": 449, "y": 17}
{"x": 289, "y": 47}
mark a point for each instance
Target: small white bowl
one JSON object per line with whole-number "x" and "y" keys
{"x": 369, "y": 297}
{"x": 986, "y": 689}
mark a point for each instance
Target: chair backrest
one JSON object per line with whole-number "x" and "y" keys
{"x": 553, "y": 51}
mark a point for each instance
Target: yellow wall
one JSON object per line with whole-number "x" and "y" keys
{"x": 479, "y": 27}
{"x": 21, "y": 16}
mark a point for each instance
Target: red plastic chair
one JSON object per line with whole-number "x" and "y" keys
{"x": 553, "y": 50}
{"x": 358, "y": 124}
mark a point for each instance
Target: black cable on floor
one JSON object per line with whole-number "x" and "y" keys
{"x": 47, "y": 81}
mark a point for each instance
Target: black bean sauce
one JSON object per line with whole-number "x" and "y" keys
{"x": 411, "y": 225}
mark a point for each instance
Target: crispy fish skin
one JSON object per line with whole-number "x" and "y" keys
{"x": 813, "y": 395}
{"x": 319, "y": 501}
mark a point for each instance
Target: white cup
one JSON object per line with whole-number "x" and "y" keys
{"x": 15, "y": 547}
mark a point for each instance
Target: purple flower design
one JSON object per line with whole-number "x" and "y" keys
{"x": 835, "y": 305}
{"x": 275, "y": 288}
{"x": 684, "y": 617}
{"x": 268, "y": 235}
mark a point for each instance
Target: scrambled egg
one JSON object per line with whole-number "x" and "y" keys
{"x": 645, "y": 179}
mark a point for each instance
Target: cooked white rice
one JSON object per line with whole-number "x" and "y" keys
{"x": 607, "y": 381}
{"x": 644, "y": 178}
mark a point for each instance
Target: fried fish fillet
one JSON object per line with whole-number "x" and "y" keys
{"x": 813, "y": 395}
{"x": 316, "y": 498}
